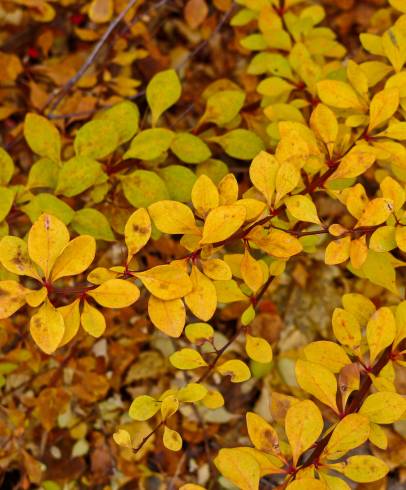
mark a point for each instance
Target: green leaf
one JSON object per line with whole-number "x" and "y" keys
{"x": 6, "y": 201}
{"x": 214, "y": 169}
{"x": 42, "y": 137}
{"x": 125, "y": 117}
{"x": 96, "y": 139}
{"x": 150, "y": 144}
{"x": 47, "y": 203}
{"x": 6, "y": 167}
{"x": 240, "y": 143}
{"x": 44, "y": 173}
{"x": 222, "y": 107}
{"x": 179, "y": 180}
{"x": 379, "y": 269}
{"x": 76, "y": 175}
{"x": 92, "y": 222}
{"x": 143, "y": 187}
{"x": 163, "y": 91}
{"x": 190, "y": 148}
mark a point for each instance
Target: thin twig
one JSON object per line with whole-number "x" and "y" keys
{"x": 56, "y": 98}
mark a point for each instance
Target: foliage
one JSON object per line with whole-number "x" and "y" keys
{"x": 194, "y": 225}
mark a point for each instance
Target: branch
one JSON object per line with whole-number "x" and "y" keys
{"x": 353, "y": 407}
{"x": 255, "y": 300}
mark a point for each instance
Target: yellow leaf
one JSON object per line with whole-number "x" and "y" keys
{"x": 376, "y": 212}
{"x": 339, "y": 94}
{"x": 384, "y": 407}
{"x": 47, "y": 238}
{"x": 394, "y": 44}
{"x": 346, "y": 328}
{"x": 191, "y": 486}
{"x": 166, "y": 281}
{"x": 169, "y": 406}
{"x": 162, "y": 92}
{"x": 378, "y": 436}
{"x": 42, "y": 137}
{"x": 238, "y": 467}
{"x": 228, "y": 291}
{"x": 35, "y": 298}
{"x": 254, "y": 208}
{"x": 202, "y": 300}
{"x": 350, "y": 432}
{"x": 213, "y": 400}
{"x": 276, "y": 243}
{"x": 383, "y": 105}
{"x": 137, "y": 231}
{"x": 172, "y": 439}
{"x": 228, "y": 189}
{"x": 365, "y": 469}
{"x": 252, "y": 272}
{"x": 400, "y": 237}
{"x": 307, "y": 484}
{"x": 93, "y": 322}
{"x": 47, "y": 328}
{"x": 303, "y": 426}
{"x": 101, "y": 11}
{"x": 359, "y": 306}
{"x": 168, "y": 316}
{"x": 399, "y": 5}
{"x": 287, "y": 178}
{"x": 143, "y": 408}
{"x": 263, "y": 174}
{"x": 216, "y": 269}
{"x": 205, "y": 195}
{"x": 302, "y": 208}
{"x": 258, "y": 349}
{"x": 122, "y": 438}
{"x": 263, "y": 436}
{"x": 358, "y": 252}
{"x": 338, "y": 251}
{"x": 115, "y": 293}
{"x": 396, "y": 131}
{"x": 173, "y": 217}
{"x": 71, "y": 319}
{"x": 12, "y": 297}
{"x": 318, "y": 381}
{"x": 222, "y": 222}
{"x": 328, "y": 354}
{"x": 358, "y": 79}
{"x": 187, "y": 359}
{"x": 14, "y": 257}
{"x": 191, "y": 393}
{"x": 198, "y": 333}
{"x": 324, "y": 123}
{"x": 381, "y": 331}
{"x": 235, "y": 368}
{"x": 355, "y": 163}
{"x": 75, "y": 257}
{"x": 383, "y": 239}
{"x": 400, "y": 323}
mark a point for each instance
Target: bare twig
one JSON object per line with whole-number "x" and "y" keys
{"x": 56, "y": 98}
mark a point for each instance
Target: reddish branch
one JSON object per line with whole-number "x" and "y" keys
{"x": 353, "y": 406}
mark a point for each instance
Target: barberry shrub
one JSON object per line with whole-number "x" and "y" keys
{"x": 324, "y": 176}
